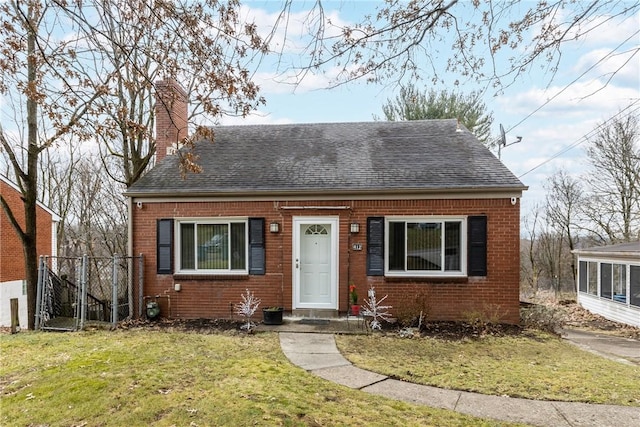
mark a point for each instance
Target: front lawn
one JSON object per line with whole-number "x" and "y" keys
{"x": 532, "y": 365}
{"x": 164, "y": 378}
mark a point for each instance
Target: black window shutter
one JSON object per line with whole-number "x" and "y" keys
{"x": 477, "y": 241}
{"x": 375, "y": 246}
{"x": 256, "y": 246}
{"x": 164, "y": 237}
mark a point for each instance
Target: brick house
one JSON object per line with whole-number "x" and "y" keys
{"x": 295, "y": 213}
{"x": 12, "y": 268}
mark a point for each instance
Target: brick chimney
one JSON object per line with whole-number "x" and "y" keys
{"x": 171, "y": 117}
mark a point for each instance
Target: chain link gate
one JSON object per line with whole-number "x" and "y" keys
{"x": 75, "y": 291}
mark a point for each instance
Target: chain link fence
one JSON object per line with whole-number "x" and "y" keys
{"x": 75, "y": 291}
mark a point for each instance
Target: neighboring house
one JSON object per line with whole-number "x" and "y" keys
{"x": 609, "y": 281}
{"x": 12, "y": 269}
{"x": 294, "y": 213}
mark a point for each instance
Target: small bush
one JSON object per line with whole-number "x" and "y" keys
{"x": 542, "y": 317}
{"x": 485, "y": 320}
{"x": 411, "y": 307}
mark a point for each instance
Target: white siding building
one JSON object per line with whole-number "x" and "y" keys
{"x": 609, "y": 281}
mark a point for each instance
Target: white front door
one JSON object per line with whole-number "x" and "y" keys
{"x": 315, "y": 264}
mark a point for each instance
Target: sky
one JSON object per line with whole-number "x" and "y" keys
{"x": 553, "y": 117}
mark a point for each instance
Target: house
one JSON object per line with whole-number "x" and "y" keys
{"x": 295, "y": 213}
{"x": 12, "y": 270}
{"x": 608, "y": 281}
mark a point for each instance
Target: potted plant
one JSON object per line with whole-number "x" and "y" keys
{"x": 272, "y": 315}
{"x": 354, "y": 308}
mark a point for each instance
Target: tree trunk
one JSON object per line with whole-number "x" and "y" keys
{"x": 30, "y": 184}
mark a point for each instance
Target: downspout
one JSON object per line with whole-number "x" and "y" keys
{"x": 129, "y": 227}
{"x": 130, "y": 256}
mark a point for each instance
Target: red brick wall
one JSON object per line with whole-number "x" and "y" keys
{"x": 170, "y": 115}
{"x": 11, "y": 254}
{"x": 498, "y": 292}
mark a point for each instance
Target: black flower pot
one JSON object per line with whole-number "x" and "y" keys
{"x": 272, "y": 315}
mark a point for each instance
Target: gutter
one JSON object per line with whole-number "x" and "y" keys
{"x": 399, "y": 193}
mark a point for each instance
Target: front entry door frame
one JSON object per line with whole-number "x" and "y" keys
{"x": 329, "y": 297}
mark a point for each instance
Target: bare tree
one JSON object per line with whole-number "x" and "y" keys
{"x": 400, "y": 40}
{"x": 613, "y": 208}
{"x": 56, "y": 76}
{"x": 36, "y": 74}
{"x": 530, "y": 266}
{"x": 563, "y": 203}
{"x": 202, "y": 44}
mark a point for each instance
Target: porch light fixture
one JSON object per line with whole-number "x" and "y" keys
{"x": 274, "y": 227}
{"x": 355, "y": 227}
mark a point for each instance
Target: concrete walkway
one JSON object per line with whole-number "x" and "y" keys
{"x": 623, "y": 350}
{"x": 318, "y": 354}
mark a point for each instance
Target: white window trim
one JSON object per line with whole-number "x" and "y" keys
{"x": 422, "y": 273}
{"x": 206, "y": 221}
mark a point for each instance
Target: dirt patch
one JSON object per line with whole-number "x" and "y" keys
{"x": 200, "y": 326}
{"x": 463, "y": 330}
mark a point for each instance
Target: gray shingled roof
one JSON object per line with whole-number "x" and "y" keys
{"x": 427, "y": 155}
{"x": 630, "y": 248}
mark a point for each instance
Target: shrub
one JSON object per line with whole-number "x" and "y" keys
{"x": 542, "y": 317}
{"x": 483, "y": 321}
{"x": 411, "y": 307}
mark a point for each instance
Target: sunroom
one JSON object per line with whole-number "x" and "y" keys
{"x": 609, "y": 281}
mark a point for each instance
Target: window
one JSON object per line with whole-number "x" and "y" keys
{"x": 425, "y": 246}
{"x": 620, "y": 283}
{"x": 212, "y": 246}
{"x": 634, "y": 285}
{"x": 582, "y": 275}
{"x": 218, "y": 246}
{"x": 605, "y": 280}
{"x": 593, "y": 278}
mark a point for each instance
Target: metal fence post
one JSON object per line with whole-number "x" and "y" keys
{"x": 130, "y": 277}
{"x": 39, "y": 292}
{"x": 140, "y": 285}
{"x": 114, "y": 292}
{"x": 83, "y": 287}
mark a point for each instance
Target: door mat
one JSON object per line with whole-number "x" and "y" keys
{"x": 314, "y": 321}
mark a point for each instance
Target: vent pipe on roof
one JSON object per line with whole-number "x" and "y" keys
{"x": 170, "y": 116}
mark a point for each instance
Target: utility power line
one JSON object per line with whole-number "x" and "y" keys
{"x": 586, "y": 136}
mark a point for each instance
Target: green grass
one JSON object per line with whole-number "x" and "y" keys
{"x": 141, "y": 377}
{"x": 532, "y": 365}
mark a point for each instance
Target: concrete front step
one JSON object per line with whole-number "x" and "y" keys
{"x": 315, "y": 313}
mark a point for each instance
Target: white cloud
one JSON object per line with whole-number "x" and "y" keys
{"x": 291, "y": 33}
{"x": 572, "y": 101}
{"x": 622, "y": 68}
{"x": 255, "y": 118}
{"x": 609, "y": 29}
